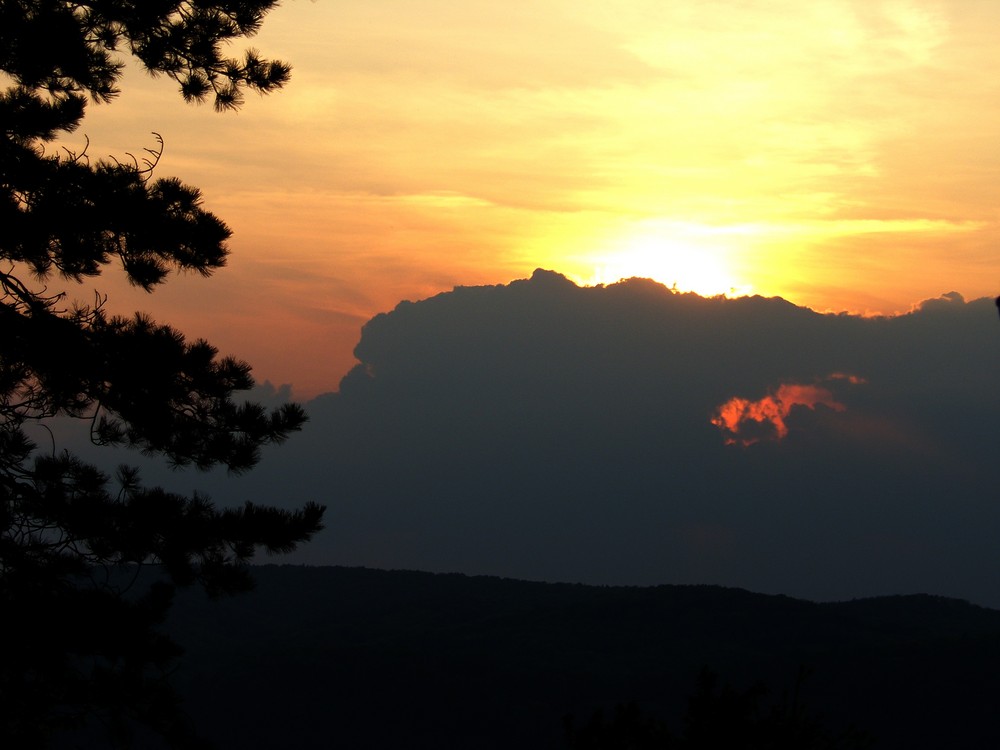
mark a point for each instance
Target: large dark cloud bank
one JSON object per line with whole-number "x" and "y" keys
{"x": 547, "y": 431}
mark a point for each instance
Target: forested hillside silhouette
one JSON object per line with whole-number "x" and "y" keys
{"x": 350, "y": 657}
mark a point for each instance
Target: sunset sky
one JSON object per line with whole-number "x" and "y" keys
{"x": 843, "y": 154}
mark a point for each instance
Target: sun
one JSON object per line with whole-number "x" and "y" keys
{"x": 688, "y": 258}
{"x": 682, "y": 263}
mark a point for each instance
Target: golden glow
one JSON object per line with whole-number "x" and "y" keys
{"x": 685, "y": 257}
{"x": 838, "y": 153}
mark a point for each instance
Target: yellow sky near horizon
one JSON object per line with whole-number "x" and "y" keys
{"x": 844, "y": 154}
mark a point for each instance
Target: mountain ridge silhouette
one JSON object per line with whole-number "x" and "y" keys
{"x": 357, "y": 657}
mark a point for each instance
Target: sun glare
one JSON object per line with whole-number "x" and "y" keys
{"x": 685, "y": 258}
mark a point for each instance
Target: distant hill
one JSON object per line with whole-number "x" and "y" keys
{"x": 359, "y": 658}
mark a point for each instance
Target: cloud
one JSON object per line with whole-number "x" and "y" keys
{"x": 548, "y": 431}
{"x": 747, "y": 422}
{"x": 944, "y": 303}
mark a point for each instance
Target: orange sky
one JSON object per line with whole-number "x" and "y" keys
{"x": 842, "y": 154}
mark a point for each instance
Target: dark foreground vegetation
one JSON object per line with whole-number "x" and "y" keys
{"x": 357, "y": 658}
{"x": 76, "y": 652}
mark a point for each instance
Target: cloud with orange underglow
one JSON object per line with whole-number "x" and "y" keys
{"x": 549, "y": 431}
{"x": 745, "y": 422}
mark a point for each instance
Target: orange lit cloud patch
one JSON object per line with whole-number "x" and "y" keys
{"x": 745, "y": 422}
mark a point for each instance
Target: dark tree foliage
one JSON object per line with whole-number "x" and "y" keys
{"x": 717, "y": 716}
{"x": 79, "y": 611}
